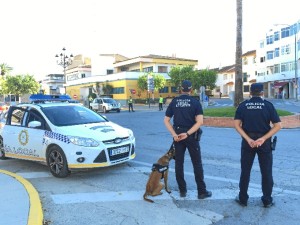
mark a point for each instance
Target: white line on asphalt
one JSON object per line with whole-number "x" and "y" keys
{"x": 228, "y": 180}
{"x": 218, "y": 194}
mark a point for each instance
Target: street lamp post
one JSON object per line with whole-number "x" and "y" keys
{"x": 296, "y": 65}
{"x": 64, "y": 61}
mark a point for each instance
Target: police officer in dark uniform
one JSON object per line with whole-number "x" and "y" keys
{"x": 187, "y": 116}
{"x": 252, "y": 121}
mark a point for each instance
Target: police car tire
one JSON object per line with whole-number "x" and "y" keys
{"x": 104, "y": 110}
{"x": 55, "y": 154}
{"x": 2, "y": 153}
{"x": 118, "y": 110}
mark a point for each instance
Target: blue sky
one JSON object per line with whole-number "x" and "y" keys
{"x": 33, "y": 31}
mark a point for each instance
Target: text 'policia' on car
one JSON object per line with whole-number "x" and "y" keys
{"x": 63, "y": 135}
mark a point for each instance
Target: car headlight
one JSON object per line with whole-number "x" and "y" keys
{"x": 130, "y": 133}
{"x": 86, "y": 142}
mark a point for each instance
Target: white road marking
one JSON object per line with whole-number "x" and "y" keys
{"x": 218, "y": 194}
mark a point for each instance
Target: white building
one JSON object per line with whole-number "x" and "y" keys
{"x": 277, "y": 61}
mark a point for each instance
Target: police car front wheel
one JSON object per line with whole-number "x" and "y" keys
{"x": 57, "y": 162}
{"x": 2, "y": 153}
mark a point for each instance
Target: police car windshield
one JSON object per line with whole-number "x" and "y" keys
{"x": 71, "y": 115}
{"x": 109, "y": 100}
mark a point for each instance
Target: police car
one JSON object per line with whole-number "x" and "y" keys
{"x": 63, "y": 135}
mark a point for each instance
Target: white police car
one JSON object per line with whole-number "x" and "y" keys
{"x": 64, "y": 136}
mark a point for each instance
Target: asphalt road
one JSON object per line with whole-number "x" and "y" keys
{"x": 112, "y": 196}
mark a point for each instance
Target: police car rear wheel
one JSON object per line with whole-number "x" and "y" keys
{"x": 2, "y": 153}
{"x": 57, "y": 162}
{"x": 104, "y": 110}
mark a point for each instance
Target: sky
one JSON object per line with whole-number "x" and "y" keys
{"x": 32, "y": 32}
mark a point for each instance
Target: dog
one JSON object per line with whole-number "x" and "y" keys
{"x": 160, "y": 170}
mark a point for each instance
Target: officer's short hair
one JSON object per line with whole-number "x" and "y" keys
{"x": 256, "y": 88}
{"x": 186, "y": 86}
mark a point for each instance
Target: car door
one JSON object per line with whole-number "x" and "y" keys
{"x": 19, "y": 140}
{"x": 100, "y": 102}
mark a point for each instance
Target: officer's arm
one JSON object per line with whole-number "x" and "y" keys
{"x": 239, "y": 129}
{"x": 167, "y": 121}
{"x": 197, "y": 125}
{"x": 276, "y": 127}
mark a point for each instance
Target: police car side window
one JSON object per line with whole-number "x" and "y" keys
{"x": 17, "y": 117}
{"x": 36, "y": 116}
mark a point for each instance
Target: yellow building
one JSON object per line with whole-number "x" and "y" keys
{"x": 121, "y": 74}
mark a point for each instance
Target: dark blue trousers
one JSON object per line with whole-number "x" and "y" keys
{"x": 193, "y": 147}
{"x": 265, "y": 159}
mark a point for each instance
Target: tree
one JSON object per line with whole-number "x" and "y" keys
{"x": 198, "y": 78}
{"x": 181, "y": 73}
{"x": 107, "y": 89}
{"x": 206, "y": 78}
{"x": 238, "y": 95}
{"x": 5, "y": 69}
{"x": 159, "y": 81}
{"x": 20, "y": 85}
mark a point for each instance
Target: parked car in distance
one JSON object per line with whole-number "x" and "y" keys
{"x": 64, "y": 136}
{"x": 105, "y": 105}
{"x": 3, "y": 107}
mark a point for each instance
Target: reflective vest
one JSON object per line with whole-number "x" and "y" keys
{"x": 161, "y": 100}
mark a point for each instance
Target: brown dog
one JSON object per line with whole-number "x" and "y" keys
{"x": 159, "y": 170}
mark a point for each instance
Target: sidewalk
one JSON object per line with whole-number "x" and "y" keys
{"x": 20, "y": 201}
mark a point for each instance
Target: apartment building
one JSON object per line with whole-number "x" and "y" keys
{"x": 277, "y": 61}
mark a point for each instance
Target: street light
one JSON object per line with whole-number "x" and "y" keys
{"x": 64, "y": 61}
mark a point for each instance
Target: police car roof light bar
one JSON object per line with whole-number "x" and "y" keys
{"x": 51, "y": 98}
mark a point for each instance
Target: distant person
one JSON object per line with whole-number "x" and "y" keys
{"x": 160, "y": 103}
{"x": 252, "y": 121}
{"x": 130, "y": 104}
{"x": 220, "y": 94}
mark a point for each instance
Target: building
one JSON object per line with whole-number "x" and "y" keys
{"x": 121, "y": 73}
{"x": 277, "y": 61}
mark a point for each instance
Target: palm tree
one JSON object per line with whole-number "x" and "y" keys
{"x": 238, "y": 95}
{"x": 5, "y": 69}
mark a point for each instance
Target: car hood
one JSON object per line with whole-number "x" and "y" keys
{"x": 98, "y": 131}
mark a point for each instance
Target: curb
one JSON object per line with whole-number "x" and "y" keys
{"x": 35, "y": 216}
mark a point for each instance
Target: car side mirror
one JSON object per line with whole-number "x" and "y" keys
{"x": 34, "y": 124}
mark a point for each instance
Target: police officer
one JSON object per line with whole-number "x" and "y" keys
{"x": 130, "y": 104}
{"x": 160, "y": 103}
{"x": 187, "y": 116}
{"x": 252, "y": 121}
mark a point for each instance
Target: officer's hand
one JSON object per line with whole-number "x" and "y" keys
{"x": 176, "y": 138}
{"x": 252, "y": 143}
{"x": 259, "y": 142}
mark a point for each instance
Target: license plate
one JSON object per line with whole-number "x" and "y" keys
{"x": 118, "y": 151}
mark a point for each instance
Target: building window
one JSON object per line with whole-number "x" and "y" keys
{"x": 262, "y": 59}
{"x": 285, "y": 32}
{"x": 164, "y": 90}
{"x": 174, "y": 90}
{"x": 276, "y": 53}
{"x": 109, "y": 72}
{"x": 285, "y": 50}
{"x": 276, "y": 36}
{"x": 148, "y": 69}
{"x": 269, "y": 39}
{"x": 118, "y": 90}
{"x": 83, "y": 75}
{"x": 245, "y": 77}
{"x": 270, "y": 55}
{"x": 162, "y": 69}
{"x": 284, "y": 67}
{"x": 276, "y": 68}
{"x": 262, "y": 44}
{"x": 225, "y": 77}
{"x": 246, "y": 88}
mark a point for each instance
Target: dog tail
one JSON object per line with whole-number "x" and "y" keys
{"x": 147, "y": 199}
